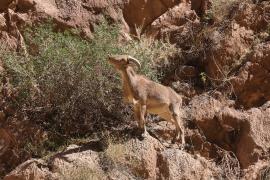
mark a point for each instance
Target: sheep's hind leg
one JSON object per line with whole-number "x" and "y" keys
{"x": 178, "y": 125}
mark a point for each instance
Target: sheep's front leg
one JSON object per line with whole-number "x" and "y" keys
{"x": 126, "y": 98}
{"x": 142, "y": 120}
{"x": 139, "y": 115}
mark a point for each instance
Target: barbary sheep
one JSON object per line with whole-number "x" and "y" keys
{"x": 147, "y": 96}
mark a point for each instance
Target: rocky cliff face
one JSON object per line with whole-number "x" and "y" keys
{"x": 227, "y": 114}
{"x": 147, "y": 159}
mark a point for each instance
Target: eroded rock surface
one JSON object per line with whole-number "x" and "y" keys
{"x": 243, "y": 132}
{"x": 226, "y": 49}
{"x": 252, "y": 81}
{"x": 174, "y": 21}
{"x": 175, "y": 164}
{"x": 145, "y": 159}
{"x": 31, "y": 170}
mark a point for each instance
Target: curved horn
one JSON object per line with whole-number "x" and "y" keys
{"x": 135, "y": 61}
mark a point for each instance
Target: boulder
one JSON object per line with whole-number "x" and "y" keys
{"x": 4, "y": 5}
{"x": 142, "y": 157}
{"x": 252, "y": 16}
{"x": 130, "y": 160}
{"x": 77, "y": 162}
{"x": 145, "y": 159}
{"x": 260, "y": 170}
{"x": 254, "y": 138}
{"x": 173, "y": 23}
{"x": 176, "y": 164}
{"x": 139, "y": 14}
{"x": 225, "y": 49}
{"x": 252, "y": 81}
{"x": 14, "y": 137}
{"x": 31, "y": 170}
{"x": 203, "y": 110}
{"x": 246, "y": 133}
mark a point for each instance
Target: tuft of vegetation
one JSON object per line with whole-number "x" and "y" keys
{"x": 65, "y": 85}
{"x": 220, "y": 9}
{"x": 265, "y": 173}
{"x": 81, "y": 172}
{"x": 116, "y": 151}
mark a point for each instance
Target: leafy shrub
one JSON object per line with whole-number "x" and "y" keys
{"x": 64, "y": 83}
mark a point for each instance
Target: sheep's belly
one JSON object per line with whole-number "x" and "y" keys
{"x": 158, "y": 109}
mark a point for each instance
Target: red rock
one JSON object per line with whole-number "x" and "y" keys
{"x": 246, "y": 133}
{"x": 252, "y": 81}
{"x": 4, "y": 4}
{"x": 175, "y": 164}
{"x": 32, "y": 169}
{"x": 139, "y": 14}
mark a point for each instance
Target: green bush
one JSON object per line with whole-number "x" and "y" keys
{"x": 64, "y": 83}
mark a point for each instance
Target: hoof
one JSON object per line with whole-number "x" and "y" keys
{"x": 173, "y": 141}
{"x": 182, "y": 148}
{"x": 144, "y": 134}
{"x": 185, "y": 147}
{"x": 141, "y": 135}
{"x": 141, "y": 138}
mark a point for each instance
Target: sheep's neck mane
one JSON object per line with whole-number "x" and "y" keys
{"x": 129, "y": 81}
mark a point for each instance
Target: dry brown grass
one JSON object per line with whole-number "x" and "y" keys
{"x": 116, "y": 151}
{"x": 229, "y": 165}
{"x": 82, "y": 172}
{"x": 220, "y": 9}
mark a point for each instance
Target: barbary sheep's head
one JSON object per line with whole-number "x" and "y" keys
{"x": 122, "y": 61}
